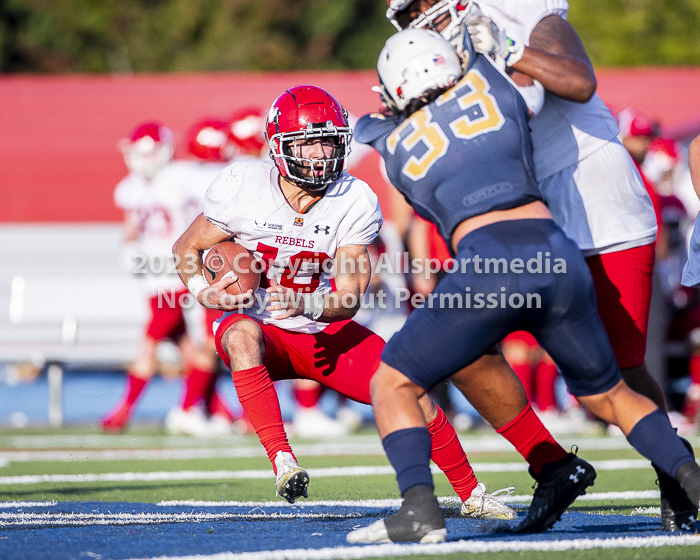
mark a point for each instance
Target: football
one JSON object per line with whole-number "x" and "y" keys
{"x": 229, "y": 256}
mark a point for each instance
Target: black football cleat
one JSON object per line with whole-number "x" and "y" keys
{"x": 678, "y": 512}
{"x": 558, "y": 485}
{"x": 419, "y": 520}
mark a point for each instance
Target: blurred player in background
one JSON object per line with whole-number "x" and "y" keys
{"x": 585, "y": 175}
{"x": 247, "y": 127}
{"x": 211, "y": 143}
{"x": 303, "y": 215}
{"x": 691, "y": 279}
{"x": 160, "y": 198}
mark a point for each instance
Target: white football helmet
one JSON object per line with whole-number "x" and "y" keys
{"x": 149, "y": 148}
{"x": 414, "y": 62}
{"x": 432, "y": 19}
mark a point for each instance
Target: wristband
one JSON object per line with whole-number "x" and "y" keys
{"x": 196, "y": 284}
{"x": 514, "y": 52}
{"x": 313, "y": 307}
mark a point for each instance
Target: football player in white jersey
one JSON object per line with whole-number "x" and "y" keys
{"x": 212, "y": 144}
{"x": 309, "y": 223}
{"x": 585, "y": 175}
{"x": 247, "y": 126}
{"x": 160, "y": 198}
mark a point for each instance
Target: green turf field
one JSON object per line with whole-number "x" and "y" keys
{"x": 144, "y": 466}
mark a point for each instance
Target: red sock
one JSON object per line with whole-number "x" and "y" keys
{"x": 532, "y": 440}
{"x": 135, "y": 386}
{"x": 119, "y": 416}
{"x": 526, "y": 376}
{"x": 545, "y": 385}
{"x": 258, "y": 398}
{"x": 216, "y": 406}
{"x": 447, "y": 453}
{"x": 198, "y": 381}
{"x": 308, "y": 397}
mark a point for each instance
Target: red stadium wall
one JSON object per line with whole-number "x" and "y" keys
{"x": 58, "y": 135}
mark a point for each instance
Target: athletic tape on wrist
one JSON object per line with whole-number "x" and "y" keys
{"x": 196, "y": 284}
{"x": 514, "y": 52}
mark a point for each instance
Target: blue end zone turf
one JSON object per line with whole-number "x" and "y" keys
{"x": 126, "y": 530}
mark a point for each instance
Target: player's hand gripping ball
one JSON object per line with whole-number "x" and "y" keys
{"x": 229, "y": 259}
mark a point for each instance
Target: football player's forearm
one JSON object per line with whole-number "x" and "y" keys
{"x": 557, "y": 59}
{"x": 188, "y": 259}
{"x": 564, "y": 76}
{"x": 341, "y": 305}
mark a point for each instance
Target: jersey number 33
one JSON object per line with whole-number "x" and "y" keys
{"x": 480, "y": 114}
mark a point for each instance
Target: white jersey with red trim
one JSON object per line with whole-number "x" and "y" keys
{"x": 565, "y": 133}
{"x": 246, "y": 202}
{"x": 163, "y": 208}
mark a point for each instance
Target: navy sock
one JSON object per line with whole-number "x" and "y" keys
{"x": 409, "y": 453}
{"x": 654, "y": 437}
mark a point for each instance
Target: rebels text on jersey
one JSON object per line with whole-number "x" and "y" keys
{"x": 465, "y": 154}
{"x": 246, "y": 202}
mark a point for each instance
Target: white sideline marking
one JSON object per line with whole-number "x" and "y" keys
{"x": 257, "y": 474}
{"x": 474, "y": 547}
{"x": 364, "y": 444}
{"x": 26, "y": 504}
{"x": 315, "y": 450}
{"x": 90, "y": 519}
{"x": 395, "y": 503}
{"x": 4, "y": 462}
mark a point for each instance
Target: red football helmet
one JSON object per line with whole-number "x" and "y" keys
{"x": 633, "y": 122}
{"x": 660, "y": 164}
{"x": 211, "y": 140}
{"x": 307, "y": 113}
{"x": 149, "y": 148}
{"x": 247, "y": 128}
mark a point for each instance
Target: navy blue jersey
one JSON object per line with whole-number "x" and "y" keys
{"x": 465, "y": 154}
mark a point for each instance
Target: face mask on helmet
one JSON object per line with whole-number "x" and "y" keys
{"x": 149, "y": 149}
{"x": 309, "y": 136}
{"x": 414, "y": 67}
{"x": 444, "y": 17}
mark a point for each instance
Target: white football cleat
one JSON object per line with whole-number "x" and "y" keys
{"x": 312, "y": 423}
{"x": 219, "y": 425}
{"x": 377, "y": 533}
{"x": 374, "y": 533}
{"x": 292, "y": 481}
{"x": 481, "y": 505}
{"x": 190, "y": 422}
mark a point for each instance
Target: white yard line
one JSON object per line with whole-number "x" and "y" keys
{"x": 296, "y": 511}
{"x": 90, "y": 519}
{"x": 471, "y": 546}
{"x": 395, "y": 503}
{"x": 620, "y": 464}
{"x": 26, "y": 504}
{"x": 97, "y": 447}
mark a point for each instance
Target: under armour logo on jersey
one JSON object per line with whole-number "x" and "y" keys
{"x": 579, "y": 470}
{"x": 325, "y": 229}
